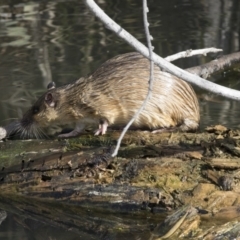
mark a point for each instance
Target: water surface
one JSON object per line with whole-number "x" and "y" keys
{"x": 62, "y": 40}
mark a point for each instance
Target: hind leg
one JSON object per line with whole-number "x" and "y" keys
{"x": 188, "y": 126}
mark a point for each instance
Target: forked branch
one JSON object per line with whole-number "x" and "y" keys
{"x": 167, "y": 66}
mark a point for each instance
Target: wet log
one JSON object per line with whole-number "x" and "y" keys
{"x": 153, "y": 175}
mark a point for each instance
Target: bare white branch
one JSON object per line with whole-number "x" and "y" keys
{"x": 191, "y": 52}
{"x": 151, "y": 78}
{"x": 167, "y": 66}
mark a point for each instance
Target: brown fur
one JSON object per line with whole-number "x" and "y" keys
{"x": 114, "y": 92}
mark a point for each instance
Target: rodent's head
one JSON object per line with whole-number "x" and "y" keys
{"x": 56, "y": 108}
{"x": 51, "y": 110}
{"x": 42, "y": 114}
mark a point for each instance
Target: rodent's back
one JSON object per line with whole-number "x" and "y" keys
{"x": 119, "y": 86}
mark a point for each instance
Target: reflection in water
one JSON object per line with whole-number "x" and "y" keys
{"x": 39, "y": 219}
{"x": 61, "y": 41}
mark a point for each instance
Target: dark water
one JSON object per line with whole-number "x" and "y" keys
{"x": 41, "y": 41}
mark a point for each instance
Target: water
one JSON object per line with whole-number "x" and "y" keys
{"x": 43, "y": 41}
{"x": 61, "y": 41}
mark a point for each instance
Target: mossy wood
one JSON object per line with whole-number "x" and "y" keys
{"x": 152, "y": 175}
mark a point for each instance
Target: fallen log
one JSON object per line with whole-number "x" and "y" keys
{"x": 153, "y": 175}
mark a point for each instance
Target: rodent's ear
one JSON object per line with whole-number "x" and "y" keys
{"x": 49, "y": 99}
{"x": 51, "y": 85}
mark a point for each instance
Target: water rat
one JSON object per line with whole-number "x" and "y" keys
{"x": 110, "y": 96}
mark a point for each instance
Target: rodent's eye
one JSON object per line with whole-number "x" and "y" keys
{"x": 35, "y": 110}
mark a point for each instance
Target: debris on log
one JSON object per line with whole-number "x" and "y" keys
{"x": 155, "y": 175}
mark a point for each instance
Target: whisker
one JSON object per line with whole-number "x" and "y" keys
{"x": 42, "y": 133}
{"x": 35, "y": 131}
{"x": 7, "y": 119}
{"x": 38, "y": 134}
{"x": 25, "y": 130}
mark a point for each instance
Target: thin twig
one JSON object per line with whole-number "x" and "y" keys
{"x": 167, "y": 66}
{"x": 190, "y": 53}
{"x": 151, "y": 79}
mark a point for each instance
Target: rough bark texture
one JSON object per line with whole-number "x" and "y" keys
{"x": 216, "y": 65}
{"x": 154, "y": 175}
